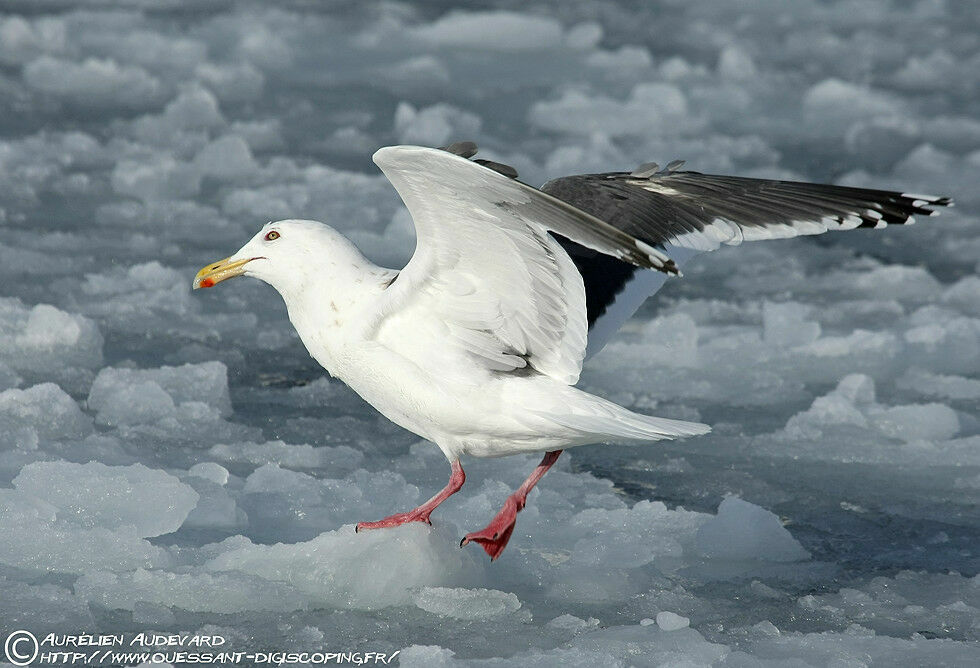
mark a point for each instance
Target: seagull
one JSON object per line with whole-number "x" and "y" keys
{"x": 477, "y": 343}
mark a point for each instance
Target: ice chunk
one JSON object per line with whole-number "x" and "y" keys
{"x": 948, "y": 345}
{"x": 135, "y": 403}
{"x": 492, "y": 30}
{"x": 744, "y": 531}
{"x": 656, "y": 646}
{"x": 160, "y": 179}
{"x": 671, "y": 621}
{"x": 926, "y": 422}
{"x": 630, "y": 537}
{"x": 338, "y": 459}
{"x": 573, "y": 623}
{"x": 226, "y": 158}
{"x": 908, "y": 602}
{"x": 466, "y": 603}
{"x": 939, "y": 385}
{"x": 261, "y": 135}
{"x": 135, "y": 396}
{"x": 735, "y": 63}
{"x": 672, "y": 340}
{"x": 94, "y": 82}
{"x": 857, "y": 389}
{"x": 905, "y": 284}
{"x": 38, "y": 539}
{"x": 929, "y": 73}
{"x": 22, "y": 40}
{"x": 217, "y": 505}
{"x": 374, "y": 569}
{"x": 436, "y": 125}
{"x": 197, "y": 592}
{"x": 650, "y": 107}
{"x": 626, "y": 59}
{"x": 585, "y": 36}
{"x": 42, "y": 607}
{"x": 195, "y": 108}
{"x": 788, "y": 324}
{"x": 234, "y": 82}
{"x": 965, "y": 295}
{"x": 43, "y": 410}
{"x": 44, "y": 340}
{"x": 289, "y": 505}
{"x": 150, "y": 502}
{"x": 56, "y": 523}
{"x": 216, "y": 473}
{"x": 839, "y": 408}
{"x": 833, "y": 105}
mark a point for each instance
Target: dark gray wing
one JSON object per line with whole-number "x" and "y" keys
{"x": 702, "y": 211}
{"x": 689, "y": 212}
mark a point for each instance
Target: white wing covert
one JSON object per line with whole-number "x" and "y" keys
{"x": 495, "y": 284}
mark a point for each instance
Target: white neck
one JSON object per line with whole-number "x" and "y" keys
{"x": 321, "y": 298}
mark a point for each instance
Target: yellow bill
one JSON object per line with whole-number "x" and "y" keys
{"x": 219, "y": 271}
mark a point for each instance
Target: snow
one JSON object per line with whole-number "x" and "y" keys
{"x": 175, "y": 462}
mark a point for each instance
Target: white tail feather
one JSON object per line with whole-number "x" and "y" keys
{"x": 609, "y": 423}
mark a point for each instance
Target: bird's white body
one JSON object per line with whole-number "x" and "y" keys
{"x": 414, "y": 376}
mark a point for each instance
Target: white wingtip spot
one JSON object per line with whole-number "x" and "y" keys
{"x": 651, "y": 252}
{"x": 929, "y": 199}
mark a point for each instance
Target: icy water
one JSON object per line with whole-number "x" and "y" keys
{"x": 176, "y": 463}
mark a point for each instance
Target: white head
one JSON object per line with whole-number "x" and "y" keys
{"x": 289, "y": 255}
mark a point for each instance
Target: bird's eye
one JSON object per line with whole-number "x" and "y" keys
{"x": 272, "y": 236}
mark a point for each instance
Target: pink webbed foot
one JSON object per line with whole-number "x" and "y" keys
{"x": 494, "y": 537}
{"x": 420, "y": 514}
{"x": 416, "y": 515}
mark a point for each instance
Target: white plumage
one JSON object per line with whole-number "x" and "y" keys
{"x": 476, "y": 344}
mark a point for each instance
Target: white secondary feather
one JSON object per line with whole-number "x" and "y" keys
{"x": 501, "y": 287}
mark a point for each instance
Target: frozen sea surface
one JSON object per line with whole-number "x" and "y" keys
{"x": 175, "y": 462}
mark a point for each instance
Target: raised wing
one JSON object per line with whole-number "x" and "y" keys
{"x": 688, "y": 212}
{"x": 702, "y": 211}
{"x": 486, "y": 276}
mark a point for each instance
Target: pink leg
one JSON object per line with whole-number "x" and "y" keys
{"x": 493, "y": 538}
{"x": 421, "y": 514}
